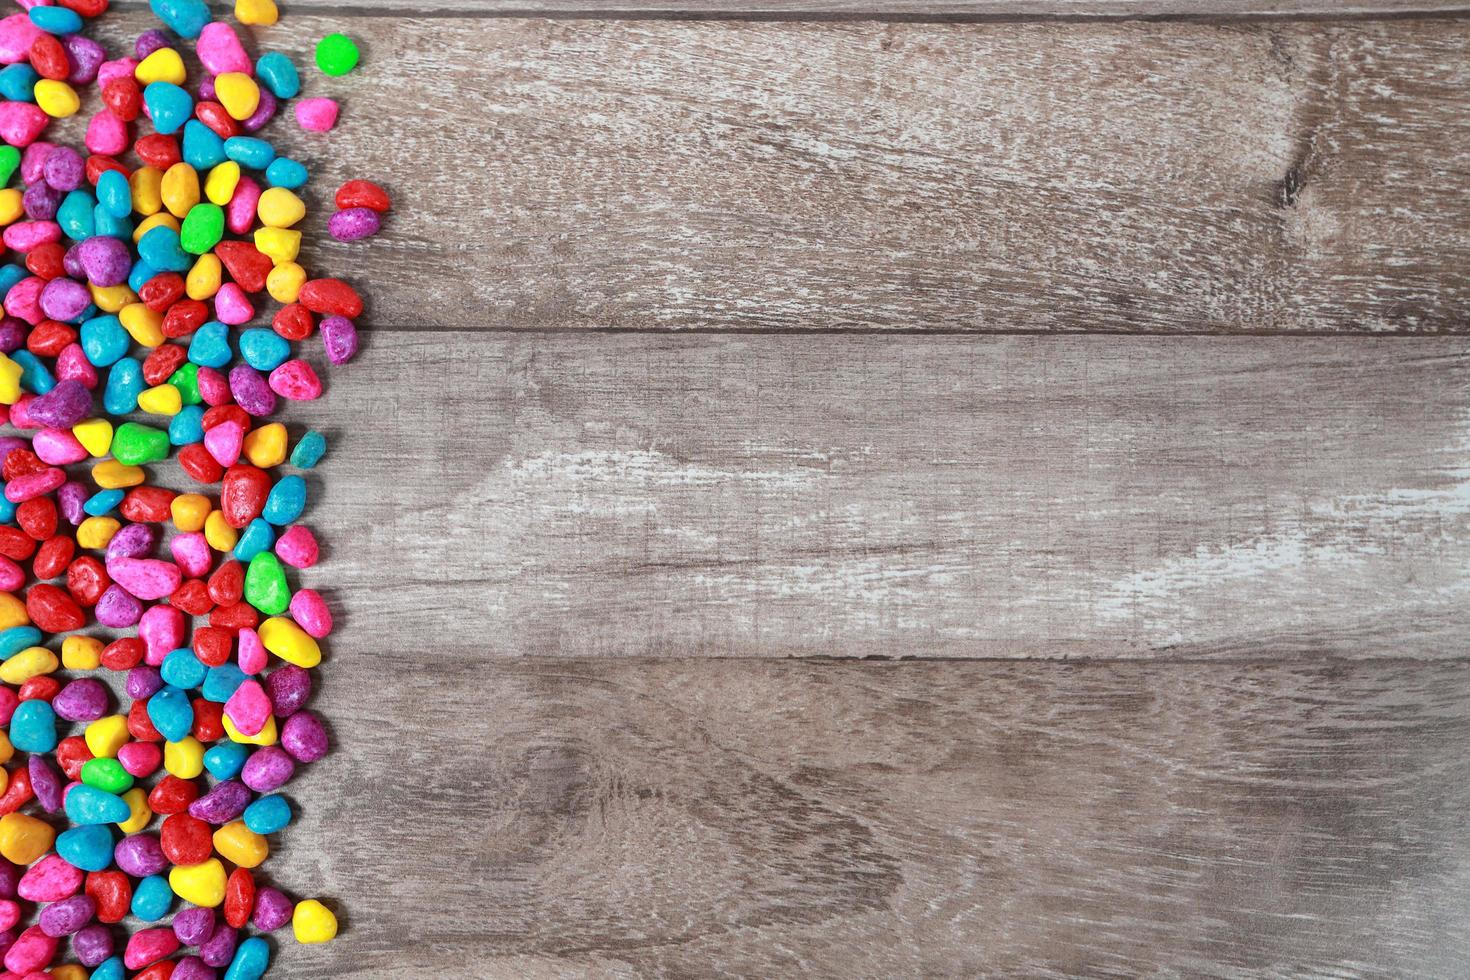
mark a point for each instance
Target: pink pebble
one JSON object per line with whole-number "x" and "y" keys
{"x": 223, "y": 442}
{"x": 106, "y": 134}
{"x": 249, "y": 708}
{"x": 32, "y": 951}
{"x": 251, "y": 652}
{"x": 115, "y": 69}
{"x": 316, "y": 115}
{"x": 33, "y": 160}
{"x": 148, "y": 946}
{"x": 220, "y": 50}
{"x": 297, "y": 547}
{"x": 140, "y": 758}
{"x": 72, "y": 365}
{"x": 161, "y": 629}
{"x": 58, "y": 447}
{"x": 297, "y": 381}
{"x": 191, "y": 551}
{"x": 232, "y": 306}
{"x": 20, "y": 413}
{"x": 310, "y": 611}
{"x": 26, "y": 235}
{"x": 214, "y": 387}
{"x": 12, "y": 576}
{"x": 143, "y": 578}
{"x": 17, "y": 34}
{"x": 9, "y": 914}
{"x": 49, "y": 880}
{"x": 21, "y": 123}
{"x": 32, "y": 485}
{"x": 240, "y": 212}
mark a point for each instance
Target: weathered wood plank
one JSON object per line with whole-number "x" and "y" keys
{"x": 657, "y": 175}
{"x": 588, "y": 495}
{"x": 492, "y": 819}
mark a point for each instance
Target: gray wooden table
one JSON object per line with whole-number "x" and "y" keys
{"x": 924, "y": 488}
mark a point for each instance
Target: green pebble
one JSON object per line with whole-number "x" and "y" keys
{"x": 186, "y": 379}
{"x": 134, "y": 444}
{"x": 107, "y": 775}
{"x": 265, "y": 584}
{"x": 336, "y": 54}
{"x": 203, "y": 228}
{"x": 9, "y": 160}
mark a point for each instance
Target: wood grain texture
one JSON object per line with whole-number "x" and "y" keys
{"x": 620, "y": 495}
{"x": 1137, "y": 177}
{"x": 485, "y": 819}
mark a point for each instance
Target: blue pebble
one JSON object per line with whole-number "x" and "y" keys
{"x": 268, "y": 814}
{"x": 225, "y": 760}
{"x": 75, "y": 216}
{"x": 109, "y": 969}
{"x": 264, "y": 350}
{"x": 286, "y": 500}
{"x": 124, "y": 384}
{"x": 56, "y": 20}
{"x": 279, "y": 74}
{"x": 187, "y": 426}
{"x": 33, "y": 727}
{"x": 104, "y": 340}
{"x": 168, "y": 104}
{"x": 222, "y": 682}
{"x": 141, "y": 273}
{"x": 87, "y": 806}
{"x": 88, "y": 848}
{"x": 258, "y": 536}
{"x": 171, "y": 713}
{"x": 34, "y": 376}
{"x": 251, "y": 960}
{"x": 103, "y": 502}
{"x": 185, "y": 17}
{"x": 18, "y": 638}
{"x": 287, "y": 173}
{"x": 160, "y": 248}
{"x": 113, "y": 194}
{"x": 18, "y": 82}
{"x": 203, "y": 148}
{"x": 112, "y": 227}
{"x": 152, "y": 898}
{"x": 182, "y": 669}
{"x": 309, "y": 451}
{"x": 7, "y": 509}
{"x": 211, "y": 345}
{"x": 10, "y": 275}
{"x": 249, "y": 151}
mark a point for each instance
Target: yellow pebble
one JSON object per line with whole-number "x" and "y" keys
{"x": 189, "y": 511}
{"x": 30, "y": 662}
{"x": 10, "y": 373}
{"x": 11, "y": 206}
{"x": 202, "y": 884}
{"x": 313, "y": 922}
{"x": 238, "y": 93}
{"x": 203, "y": 280}
{"x": 279, "y": 208}
{"x": 266, "y": 446}
{"x": 143, "y": 324}
{"x": 95, "y": 532}
{"x": 161, "y": 219}
{"x": 161, "y": 399}
{"x": 57, "y": 99}
{"x": 262, "y": 12}
{"x": 81, "y": 653}
{"x": 220, "y": 185}
{"x": 106, "y": 735}
{"x": 146, "y": 184}
{"x": 23, "y": 839}
{"x": 285, "y": 281}
{"x": 112, "y": 475}
{"x": 137, "y": 801}
{"x": 266, "y": 736}
{"x": 7, "y": 752}
{"x": 69, "y": 971}
{"x": 12, "y": 611}
{"x": 110, "y": 299}
{"x": 163, "y": 65}
{"x": 218, "y": 533}
{"x": 281, "y": 244}
{"x": 180, "y": 189}
{"x": 240, "y": 845}
{"x": 95, "y": 435}
{"x": 290, "y": 642}
{"x": 184, "y": 758}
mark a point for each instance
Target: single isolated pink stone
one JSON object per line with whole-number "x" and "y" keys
{"x": 316, "y": 115}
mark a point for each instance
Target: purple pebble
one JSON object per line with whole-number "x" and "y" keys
{"x": 92, "y": 945}
{"x": 9, "y": 878}
{"x": 46, "y": 783}
{"x": 140, "y": 855}
{"x": 339, "y": 337}
{"x": 107, "y": 261}
{"x": 71, "y": 262}
{"x": 13, "y": 332}
{"x": 118, "y": 608}
{"x": 33, "y": 160}
{"x": 272, "y": 910}
{"x": 354, "y": 223}
{"x": 41, "y": 201}
{"x": 64, "y": 299}
{"x": 268, "y": 768}
{"x": 304, "y": 737}
{"x": 67, "y": 916}
{"x": 64, "y": 405}
{"x": 288, "y": 687}
{"x": 84, "y": 699}
{"x": 193, "y": 968}
{"x": 221, "y": 947}
{"x": 133, "y": 541}
{"x": 194, "y": 926}
{"x": 263, "y": 112}
{"x": 7, "y": 940}
{"x": 73, "y": 497}
{"x": 207, "y": 91}
{"x": 86, "y": 57}
{"x": 149, "y": 42}
{"x": 64, "y": 169}
{"x": 222, "y": 804}
{"x": 252, "y": 392}
{"x": 143, "y": 682}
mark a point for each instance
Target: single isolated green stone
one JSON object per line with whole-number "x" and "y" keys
{"x": 135, "y": 444}
{"x": 9, "y": 160}
{"x": 107, "y": 775}
{"x": 265, "y": 584}
{"x": 336, "y": 54}
{"x": 202, "y": 229}
{"x": 186, "y": 379}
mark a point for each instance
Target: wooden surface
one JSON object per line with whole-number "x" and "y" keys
{"x": 597, "y": 688}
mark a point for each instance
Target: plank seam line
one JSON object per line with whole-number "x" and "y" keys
{"x": 1315, "y": 660}
{"x": 925, "y": 332}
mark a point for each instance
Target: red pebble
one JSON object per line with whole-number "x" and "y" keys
{"x": 184, "y": 317}
{"x": 214, "y": 387}
{"x": 147, "y": 505}
{"x": 124, "y": 653}
{"x": 239, "y": 897}
{"x": 331, "y": 296}
{"x": 86, "y": 580}
{"x": 192, "y": 599}
{"x": 172, "y": 795}
{"x": 158, "y": 150}
{"x": 186, "y": 839}
{"x": 19, "y": 792}
{"x": 37, "y": 517}
{"x": 162, "y": 970}
{"x": 227, "y": 583}
{"x": 362, "y": 194}
{"x": 217, "y": 118}
{"x": 123, "y": 98}
{"x": 52, "y": 610}
{"x": 246, "y": 264}
{"x": 49, "y": 337}
{"x": 49, "y": 58}
{"x": 201, "y": 467}
{"x": 71, "y": 754}
{"x": 112, "y": 892}
{"x": 162, "y": 291}
{"x": 293, "y": 321}
{"x": 140, "y": 726}
{"x": 15, "y": 544}
{"x": 52, "y": 558}
{"x": 20, "y": 462}
{"x": 220, "y": 414}
{"x": 209, "y": 724}
{"x": 212, "y": 645}
{"x": 87, "y": 8}
{"x": 163, "y": 362}
{"x": 241, "y": 615}
{"x": 42, "y": 688}
{"x": 242, "y": 495}
{"x": 98, "y": 164}
{"x": 45, "y": 260}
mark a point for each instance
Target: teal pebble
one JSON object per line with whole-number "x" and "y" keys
{"x": 202, "y": 146}
{"x": 104, "y": 340}
{"x": 152, "y": 898}
{"x": 34, "y": 376}
{"x": 187, "y": 426}
{"x": 171, "y": 713}
{"x": 160, "y": 248}
{"x": 264, "y": 350}
{"x": 56, "y": 20}
{"x": 88, "y": 805}
{"x": 286, "y": 500}
{"x": 110, "y": 226}
{"x": 225, "y": 760}
{"x": 222, "y": 683}
{"x": 211, "y": 345}
{"x": 309, "y": 451}
{"x": 33, "y": 727}
{"x": 268, "y": 814}
{"x": 141, "y": 273}
{"x": 113, "y": 194}
{"x": 185, "y": 17}
{"x": 251, "y": 960}
{"x": 16, "y": 639}
{"x": 250, "y": 152}
{"x": 109, "y": 969}
{"x": 7, "y": 509}
{"x": 182, "y": 669}
{"x": 287, "y": 173}
{"x": 88, "y": 848}
{"x": 124, "y": 384}
{"x": 10, "y": 275}
{"x": 18, "y": 82}
{"x": 279, "y": 74}
{"x": 103, "y": 502}
{"x": 258, "y": 536}
{"x": 75, "y": 215}
{"x": 169, "y": 106}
